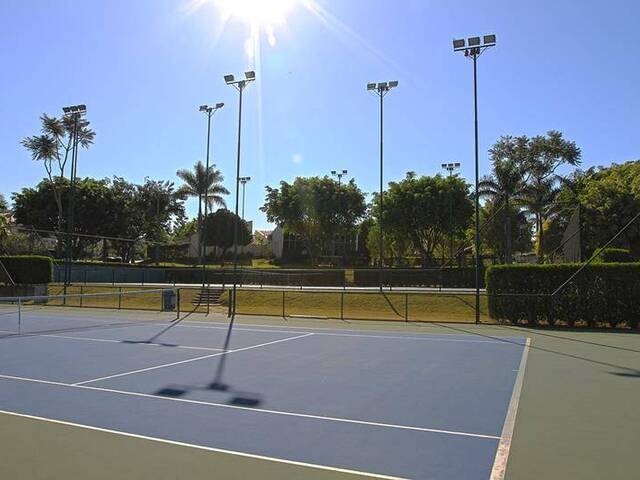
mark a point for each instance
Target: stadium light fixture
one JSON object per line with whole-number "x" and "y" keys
{"x": 209, "y": 111}
{"x": 381, "y": 89}
{"x": 473, "y": 50}
{"x": 239, "y": 85}
{"x": 74, "y": 112}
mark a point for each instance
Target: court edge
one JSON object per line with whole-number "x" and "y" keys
{"x": 502, "y": 454}
{"x": 201, "y": 447}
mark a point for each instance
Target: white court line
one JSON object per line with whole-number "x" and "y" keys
{"x": 140, "y": 370}
{"x": 257, "y": 410}
{"x": 202, "y": 447}
{"x": 502, "y": 454}
{"x": 509, "y": 340}
{"x": 109, "y": 340}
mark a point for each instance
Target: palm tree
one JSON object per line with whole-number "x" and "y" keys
{"x": 539, "y": 200}
{"x": 506, "y": 184}
{"x": 200, "y": 183}
{"x": 53, "y": 147}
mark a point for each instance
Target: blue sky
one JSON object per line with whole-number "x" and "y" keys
{"x": 143, "y": 68}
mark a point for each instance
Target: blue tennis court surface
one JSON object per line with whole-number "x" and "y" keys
{"x": 384, "y": 403}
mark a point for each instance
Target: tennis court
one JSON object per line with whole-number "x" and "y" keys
{"x": 346, "y": 402}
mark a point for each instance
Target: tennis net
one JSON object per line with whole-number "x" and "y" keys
{"x": 31, "y": 314}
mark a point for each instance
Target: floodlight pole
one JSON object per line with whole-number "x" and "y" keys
{"x": 381, "y": 90}
{"x": 76, "y": 112}
{"x": 450, "y": 167}
{"x": 209, "y": 111}
{"x": 240, "y": 86}
{"x": 243, "y": 182}
{"x": 473, "y": 49}
{"x": 341, "y": 174}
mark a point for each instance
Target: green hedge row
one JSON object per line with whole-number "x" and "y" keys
{"x": 306, "y": 278}
{"x": 613, "y": 255}
{"x": 454, "y": 277}
{"x": 27, "y": 269}
{"x": 602, "y": 294}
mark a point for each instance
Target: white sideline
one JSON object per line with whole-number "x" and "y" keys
{"x": 109, "y": 340}
{"x": 140, "y": 370}
{"x": 502, "y": 454}
{"x": 201, "y": 447}
{"x": 255, "y": 410}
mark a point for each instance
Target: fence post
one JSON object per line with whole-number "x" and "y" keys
{"x": 119, "y": 298}
{"x": 85, "y": 276}
{"x": 142, "y": 275}
{"x": 178, "y": 302}
{"x": 406, "y": 307}
{"x": 113, "y": 276}
{"x": 81, "y": 293}
{"x": 342, "y": 305}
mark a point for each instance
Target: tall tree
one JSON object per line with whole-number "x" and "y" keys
{"x": 494, "y": 216}
{"x": 220, "y": 230}
{"x": 316, "y": 209}
{"x": 425, "y": 209}
{"x": 198, "y": 182}
{"x": 53, "y": 146}
{"x": 505, "y": 186}
{"x": 610, "y": 198}
{"x": 539, "y": 158}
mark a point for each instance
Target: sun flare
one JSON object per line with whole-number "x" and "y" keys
{"x": 263, "y": 13}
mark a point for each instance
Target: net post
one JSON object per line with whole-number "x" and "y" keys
{"x": 283, "y": 304}
{"x": 406, "y": 306}
{"x": 19, "y": 315}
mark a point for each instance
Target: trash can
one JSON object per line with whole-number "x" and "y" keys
{"x": 168, "y": 301}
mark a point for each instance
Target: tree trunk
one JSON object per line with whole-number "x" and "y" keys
{"x": 508, "y": 231}
{"x": 539, "y": 234}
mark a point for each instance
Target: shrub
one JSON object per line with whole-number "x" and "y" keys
{"x": 601, "y": 294}
{"x": 27, "y": 269}
{"x": 612, "y": 255}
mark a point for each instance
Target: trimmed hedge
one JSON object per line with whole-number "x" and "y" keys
{"x": 27, "y": 269}
{"x": 612, "y": 255}
{"x": 454, "y": 277}
{"x": 602, "y": 294}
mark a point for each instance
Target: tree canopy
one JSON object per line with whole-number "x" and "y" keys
{"x": 316, "y": 209}
{"x": 219, "y": 227}
{"x": 425, "y": 209}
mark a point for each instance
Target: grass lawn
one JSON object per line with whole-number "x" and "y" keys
{"x": 368, "y": 306}
{"x": 391, "y": 306}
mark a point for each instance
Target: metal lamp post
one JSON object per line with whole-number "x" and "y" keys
{"x": 381, "y": 90}
{"x": 339, "y": 175}
{"x": 240, "y": 86}
{"x": 75, "y": 112}
{"x": 450, "y": 167}
{"x": 473, "y": 47}
{"x": 208, "y": 110}
{"x": 243, "y": 182}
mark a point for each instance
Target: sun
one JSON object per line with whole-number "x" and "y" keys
{"x": 261, "y": 13}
